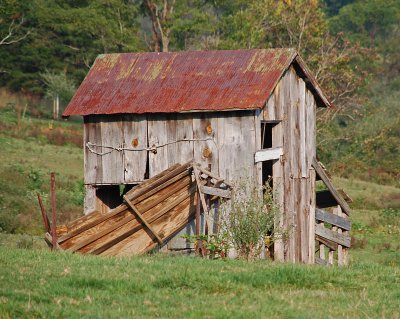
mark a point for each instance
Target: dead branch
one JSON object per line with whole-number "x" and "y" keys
{"x": 13, "y": 28}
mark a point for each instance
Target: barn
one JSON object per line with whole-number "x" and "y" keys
{"x": 241, "y": 114}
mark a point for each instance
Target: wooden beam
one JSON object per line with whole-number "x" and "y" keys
{"x": 335, "y": 220}
{"x": 321, "y": 173}
{"x": 199, "y": 184}
{"x": 216, "y": 191}
{"x": 332, "y": 236}
{"x": 268, "y": 154}
{"x": 216, "y": 177}
{"x": 143, "y": 220}
{"x": 328, "y": 243}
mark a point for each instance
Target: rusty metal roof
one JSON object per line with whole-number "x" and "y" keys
{"x": 180, "y": 81}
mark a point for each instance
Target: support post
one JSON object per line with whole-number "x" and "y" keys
{"x": 53, "y": 210}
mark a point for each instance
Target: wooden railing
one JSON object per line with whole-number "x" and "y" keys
{"x": 332, "y": 227}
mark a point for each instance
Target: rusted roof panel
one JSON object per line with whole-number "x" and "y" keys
{"x": 180, "y": 81}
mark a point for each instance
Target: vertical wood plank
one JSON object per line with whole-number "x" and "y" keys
{"x": 205, "y": 126}
{"x": 112, "y": 162}
{"x": 257, "y": 126}
{"x": 278, "y": 191}
{"x": 311, "y": 218}
{"x": 184, "y": 130}
{"x": 342, "y": 251}
{"x": 135, "y": 137}
{"x": 90, "y": 199}
{"x": 302, "y": 109}
{"x": 157, "y": 135}
{"x": 322, "y": 248}
{"x": 331, "y": 252}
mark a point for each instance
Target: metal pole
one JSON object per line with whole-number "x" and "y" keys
{"x": 53, "y": 210}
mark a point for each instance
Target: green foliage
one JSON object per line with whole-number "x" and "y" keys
{"x": 58, "y": 85}
{"x": 247, "y": 220}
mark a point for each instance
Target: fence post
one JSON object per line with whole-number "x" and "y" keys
{"x": 53, "y": 210}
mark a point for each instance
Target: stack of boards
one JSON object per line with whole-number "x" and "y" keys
{"x": 153, "y": 212}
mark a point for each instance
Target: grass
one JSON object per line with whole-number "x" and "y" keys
{"x": 36, "y": 284}
{"x": 31, "y": 149}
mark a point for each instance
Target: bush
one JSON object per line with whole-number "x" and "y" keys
{"x": 248, "y": 219}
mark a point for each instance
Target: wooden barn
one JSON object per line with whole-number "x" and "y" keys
{"x": 242, "y": 113}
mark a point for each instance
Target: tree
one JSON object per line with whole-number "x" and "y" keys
{"x": 12, "y": 22}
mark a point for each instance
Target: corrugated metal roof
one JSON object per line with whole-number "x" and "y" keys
{"x": 180, "y": 81}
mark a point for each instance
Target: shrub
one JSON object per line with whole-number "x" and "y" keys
{"x": 248, "y": 219}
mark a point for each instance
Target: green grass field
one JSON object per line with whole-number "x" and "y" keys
{"x": 42, "y": 284}
{"x": 38, "y": 283}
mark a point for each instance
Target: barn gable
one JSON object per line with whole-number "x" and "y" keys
{"x": 138, "y": 83}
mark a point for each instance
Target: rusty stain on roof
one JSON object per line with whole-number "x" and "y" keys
{"x": 180, "y": 81}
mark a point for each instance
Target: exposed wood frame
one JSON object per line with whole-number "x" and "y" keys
{"x": 321, "y": 173}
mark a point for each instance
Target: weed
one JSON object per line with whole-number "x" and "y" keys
{"x": 248, "y": 218}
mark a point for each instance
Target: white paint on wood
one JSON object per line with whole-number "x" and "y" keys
{"x": 268, "y": 154}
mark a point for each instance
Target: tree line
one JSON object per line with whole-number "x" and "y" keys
{"x": 344, "y": 42}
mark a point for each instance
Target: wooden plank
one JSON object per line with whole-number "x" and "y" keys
{"x": 268, "y": 154}
{"x": 112, "y": 162}
{"x": 144, "y": 206}
{"x": 322, "y": 262}
{"x": 143, "y": 220}
{"x": 130, "y": 228}
{"x": 321, "y": 246}
{"x": 154, "y": 182}
{"x": 328, "y": 243}
{"x": 302, "y": 127}
{"x": 257, "y": 122}
{"x": 333, "y": 236}
{"x": 166, "y": 225}
{"x": 332, "y": 219}
{"x": 216, "y": 191}
{"x": 134, "y": 128}
{"x": 184, "y": 130}
{"x": 157, "y": 132}
{"x": 202, "y": 199}
{"x": 205, "y": 131}
{"x": 90, "y": 134}
{"x": 321, "y": 173}
{"x": 311, "y": 218}
{"x": 216, "y": 177}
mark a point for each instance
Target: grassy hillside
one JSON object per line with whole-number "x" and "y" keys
{"x": 31, "y": 148}
{"x": 367, "y": 145}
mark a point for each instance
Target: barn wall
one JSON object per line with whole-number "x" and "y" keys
{"x": 225, "y": 140}
{"x": 294, "y": 105}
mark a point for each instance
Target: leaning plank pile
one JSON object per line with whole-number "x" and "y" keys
{"x": 332, "y": 226}
{"x": 153, "y": 212}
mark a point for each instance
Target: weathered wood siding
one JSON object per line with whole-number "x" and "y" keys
{"x": 226, "y": 140}
{"x": 294, "y": 105}
{"x": 115, "y": 167}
